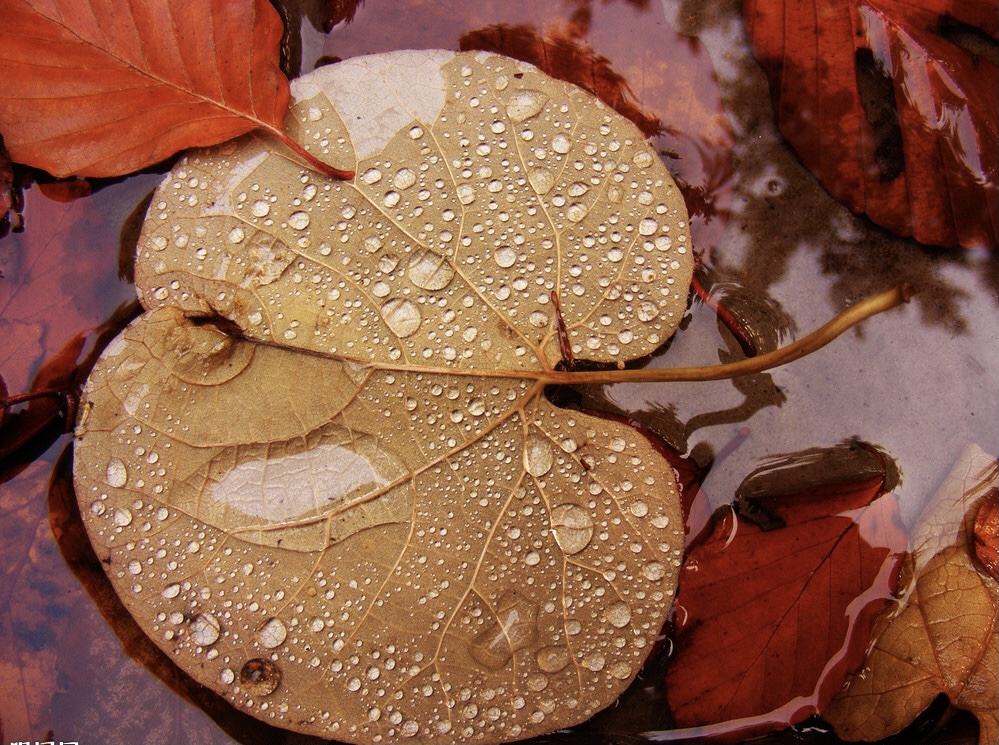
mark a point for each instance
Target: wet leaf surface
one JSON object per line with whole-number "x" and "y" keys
{"x": 110, "y": 647}
{"x": 785, "y": 240}
{"x": 819, "y": 561}
{"x": 511, "y": 562}
{"x": 147, "y": 82}
{"x": 624, "y": 52}
{"x": 944, "y": 638}
{"x": 878, "y": 99}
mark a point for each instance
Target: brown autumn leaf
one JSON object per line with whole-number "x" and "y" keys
{"x": 987, "y": 534}
{"x": 321, "y": 469}
{"x": 944, "y": 638}
{"x": 878, "y": 101}
{"x": 138, "y": 81}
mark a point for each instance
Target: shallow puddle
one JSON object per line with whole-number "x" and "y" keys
{"x": 919, "y": 383}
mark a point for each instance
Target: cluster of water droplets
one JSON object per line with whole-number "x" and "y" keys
{"x": 519, "y": 578}
{"x": 398, "y": 553}
{"x": 447, "y": 246}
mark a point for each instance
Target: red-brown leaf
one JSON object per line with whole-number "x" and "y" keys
{"x": 987, "y": 533}
{"x": 770, "y": 623}
{"x": 102, "y": 88}
{"x": 894, "y": 119}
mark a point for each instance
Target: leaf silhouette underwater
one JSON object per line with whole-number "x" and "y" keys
{"x": 321, "y": 469}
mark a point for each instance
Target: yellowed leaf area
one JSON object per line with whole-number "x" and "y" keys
{"x": 944, "y": 639}
{"x": 348, "y": 507}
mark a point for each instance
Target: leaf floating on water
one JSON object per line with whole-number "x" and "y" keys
{"x": 339, "y": 498}
{"x": 820, "y": 561}
{"x": 944, "y": 639}
{"x": 897, "y": 121}
{"x": 130, "y": 94}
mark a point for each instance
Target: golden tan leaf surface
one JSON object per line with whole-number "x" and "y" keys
{"x": 345, "y": 503}
{"x": 944, "y": 638}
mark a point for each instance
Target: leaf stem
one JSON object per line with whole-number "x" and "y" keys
{"x": 802, "y": 347}
{"x": 313, "y": 162}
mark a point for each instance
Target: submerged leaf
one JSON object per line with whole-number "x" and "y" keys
{"x": 944, "y": 639}
{"x": 339, "y": 496}
{"x": 819, "y": 563}
{"x": 895, "y": 120}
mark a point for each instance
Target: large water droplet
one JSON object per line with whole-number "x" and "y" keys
{"x": 299, "y": 220}
{"x": 618, "y": 615}
{"x": 524, "y": 104}
{"x": 404, "y": 178}
{"x": 648, "y": 226}
{"x": 654, "y": 571}
{"x": 204, "y": 629}
{"x": 271, "y": 633}
{"x": 430, "y": 270}
{"x": 259, "y": 677}
{"x": 639, "y": 509}
{"x": 541, "y": 180}
{"x": 505, "y": 256}
{"x": 647, "y": 310}
{"x": 515, "y": 628}
{"x": 260, "y": 208}
{"x": 594, "y": 661}
{"x": 537, "y": 682}
{"x": 572, "y": 526}
{"x": 621, "y": 670}
{"x": 371, "y": 176}
{"x": 575, "y": 212}
{"x": 642, "y": 159}
{"x": 122, "y": 517}
{"x": 402, "y": 316}
{"x": 561, "y": 143}
{"x": 538, "y": 455}
{"x": 466, "y": 193}
{"x": 553, "y": 659}
{"x": 116, "y": 474}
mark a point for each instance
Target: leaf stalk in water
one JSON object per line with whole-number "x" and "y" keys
{"x": 794, "y": 351}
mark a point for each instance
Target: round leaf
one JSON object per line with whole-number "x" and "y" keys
{"x": 340, "y": 497}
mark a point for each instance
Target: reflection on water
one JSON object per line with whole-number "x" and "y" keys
{"x": 920, "y": 381}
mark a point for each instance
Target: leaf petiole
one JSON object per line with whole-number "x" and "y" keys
{"x": 311, "y": 160}
{"x": 796, "y": 350}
